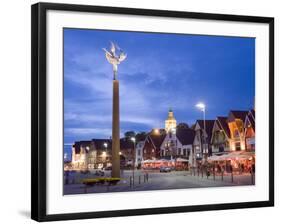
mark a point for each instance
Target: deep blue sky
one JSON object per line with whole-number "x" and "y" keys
{"x": 161, "y": 71}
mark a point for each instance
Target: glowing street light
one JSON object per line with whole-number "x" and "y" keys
{"x": 156, "y": 131}
{"x": 133, "y": 139}
{"x": 201, "y": 106}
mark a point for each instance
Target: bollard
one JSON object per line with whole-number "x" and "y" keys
{"x": 130, "y": 181}
{"x": 85, "y": 189}
{"x": 231, "y": 176}
{"x": 147, "y": 177}
{"x": 139, "y": 179}
{"x": 222, "y": 175}
{"x": 214, "y": 175}
{"x": 144, "y": 178}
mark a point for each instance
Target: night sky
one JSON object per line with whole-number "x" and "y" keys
{"x": 161, "y": 71}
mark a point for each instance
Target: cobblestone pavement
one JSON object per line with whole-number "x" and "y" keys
{"x": 157, "y": 181}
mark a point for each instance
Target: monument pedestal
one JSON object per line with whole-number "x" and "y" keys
{"x": 115, "y": 131}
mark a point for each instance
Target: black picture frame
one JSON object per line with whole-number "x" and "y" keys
{"x": 39, "y": 114}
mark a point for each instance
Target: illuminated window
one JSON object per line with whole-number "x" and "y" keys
{"x": 236, "y": 133}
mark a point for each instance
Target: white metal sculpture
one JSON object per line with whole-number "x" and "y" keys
{"x": 115, "y": 56}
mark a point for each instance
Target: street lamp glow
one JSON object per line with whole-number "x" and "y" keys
{"x": 133, "y": 139}
{"x": 105, "y": 145}
{"x": 201, "y": 106}
{"x": 156, "y": 131}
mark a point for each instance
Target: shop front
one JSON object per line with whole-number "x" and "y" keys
{"x": 236, "y": 162}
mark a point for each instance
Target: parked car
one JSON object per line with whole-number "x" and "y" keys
{"x": 165, "y": 169}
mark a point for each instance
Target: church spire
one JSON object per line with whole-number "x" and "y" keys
{"x": 170, "y": 122}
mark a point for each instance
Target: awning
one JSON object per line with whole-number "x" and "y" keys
{"x": 240, "y": 155}
{"x": 181, "y": 160}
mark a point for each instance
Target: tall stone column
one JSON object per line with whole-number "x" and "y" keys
{"x": 115, "y": 131}
{"x": 115, "y": 56}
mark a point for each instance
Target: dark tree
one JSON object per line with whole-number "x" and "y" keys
{"x": 140, "y": 136}
{"x": 182, "y": 126}
{"x": 129, "y": 134}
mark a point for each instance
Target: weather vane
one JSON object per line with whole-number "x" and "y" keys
{"x": 115, "y": 56}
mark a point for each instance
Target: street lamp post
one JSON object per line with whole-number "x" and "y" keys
{"x": 202, "y": 107}
{"x": 133, "y": 139}
{"x": 105, "y": 146}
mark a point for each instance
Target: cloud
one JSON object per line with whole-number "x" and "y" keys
{"x": 87, "y": 131}
{"x": 99, "y": 119}
{"x": 145, "y": 92}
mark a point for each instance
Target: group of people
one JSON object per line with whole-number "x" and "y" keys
{"x": 242, "y": 168}
{"x": 228, "y": 168}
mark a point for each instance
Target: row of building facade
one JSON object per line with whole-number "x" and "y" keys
{"x": 235, "y": 132}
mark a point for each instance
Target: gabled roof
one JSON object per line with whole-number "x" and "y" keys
{"x": 157, "y": 139}
{"x": 186, "y": 136}
{"x": 253, "y": 113}
{"x": 237, "y": 114}
{"x": 209, "y": 127}
{"x": 222, "y": 123}
{"x": 251, "y": 118}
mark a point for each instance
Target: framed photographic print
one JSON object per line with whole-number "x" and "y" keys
{"x": 139, "y": 111}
